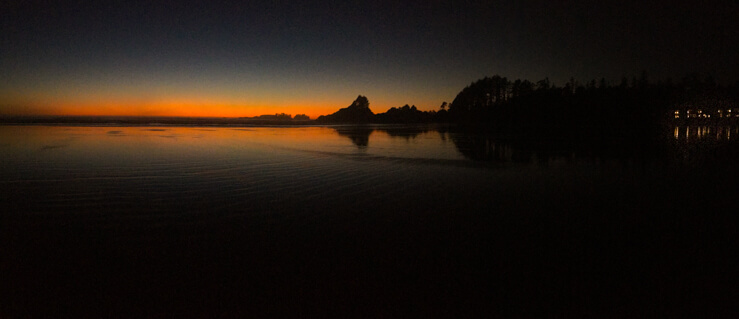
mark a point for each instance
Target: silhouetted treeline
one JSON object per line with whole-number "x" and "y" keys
{"x": 593, "y": 109}
{"x": 359, "y": 112}
{"x": 406, "y": 114}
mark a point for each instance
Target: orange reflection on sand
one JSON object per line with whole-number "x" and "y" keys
{"x": 58, "y": 137}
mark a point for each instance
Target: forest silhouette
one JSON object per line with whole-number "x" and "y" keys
{"x": 595, "y": 109}
{"x": 498, "y": 120}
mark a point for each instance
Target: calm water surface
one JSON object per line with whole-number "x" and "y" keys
{"x": 364, "y": 221}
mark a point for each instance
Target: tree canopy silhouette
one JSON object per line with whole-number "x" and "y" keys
{"x": 592, "y": 110}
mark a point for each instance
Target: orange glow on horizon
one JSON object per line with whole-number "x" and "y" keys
{"x": 97, "y": 104}
{"x": 172, "y": 108}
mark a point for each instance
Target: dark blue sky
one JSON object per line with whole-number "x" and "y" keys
{"x": 156, "y": 56}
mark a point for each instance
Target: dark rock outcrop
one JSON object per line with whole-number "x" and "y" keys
{"x": 357, "y": 112}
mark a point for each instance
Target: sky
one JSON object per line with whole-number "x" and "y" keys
{"x": 247, "y": 58}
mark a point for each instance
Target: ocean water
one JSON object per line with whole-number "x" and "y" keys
{"x": 392, "y": 221}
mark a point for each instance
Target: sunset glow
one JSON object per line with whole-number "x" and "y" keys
{"x": 102, "y": 101}
{"x": 184, "y": 108}
{"x": 231, "y": 60}
{"x": 281, "y": 159}
{"x": 168, "y": 106}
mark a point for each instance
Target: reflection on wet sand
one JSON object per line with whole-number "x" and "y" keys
{"x": 487, "y": 146}
{"x": 694, "y": 133}
{"x": 358, "y": 135}
{"x": 373, "y": 221}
